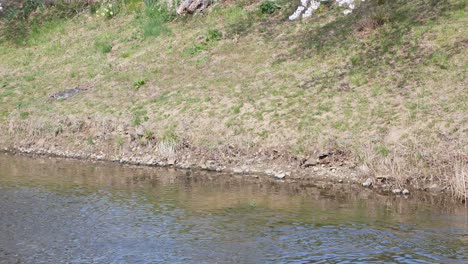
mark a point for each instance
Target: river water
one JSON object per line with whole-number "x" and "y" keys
{"x": 62, "y": 211}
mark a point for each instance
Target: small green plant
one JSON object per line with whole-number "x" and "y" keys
{"x": 139, "y": 83}
{"x": 103, "y": 44}
{"x": 125, "y": 55}
{"x": 383, "y": 151}
{"x": 120, "y": 141}
{"x": 269, "y": 7}
{"x": 358, "y": 79}
{"x": 439, "y": 58}
{"x": 210, "y": 39}
{"x": 24, "y": 115}
{"x": 237, "y": 108}
{"x": 149, "y": 135}
{"x": 213, "y": 35}
{"x": 194, "y": 49}
{"x": 90, "y": 141}
{"x": 58, "y": 130}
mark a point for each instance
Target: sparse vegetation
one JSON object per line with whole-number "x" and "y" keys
{"x": 385, "y": 84}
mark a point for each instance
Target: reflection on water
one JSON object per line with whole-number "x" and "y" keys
{"x": 58, "y": 211}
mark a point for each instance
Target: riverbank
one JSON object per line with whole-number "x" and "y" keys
{"x": 351, "y": 180}
{"x": 379, "y": 94}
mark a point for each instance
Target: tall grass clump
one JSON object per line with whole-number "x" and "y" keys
{"x": 154, "y": 18}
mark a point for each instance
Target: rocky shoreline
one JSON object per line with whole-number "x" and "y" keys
{"x": 321, "y": 175}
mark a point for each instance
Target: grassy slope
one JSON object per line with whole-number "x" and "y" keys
{"x": 392, "y": 96}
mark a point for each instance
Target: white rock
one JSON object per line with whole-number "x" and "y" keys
{"x": 368, "y": 183}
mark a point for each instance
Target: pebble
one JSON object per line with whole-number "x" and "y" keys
{"x": 406, "y": 192}
{"x": 211, "y": 165}
{"x": 396, "y": 191}
{"x": 280, "y": 175}
{"x": 238, "y": 171}
{"x": 367, "y": 183}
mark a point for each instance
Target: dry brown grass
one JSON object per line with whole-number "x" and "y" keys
{"x": 460, "y": 183}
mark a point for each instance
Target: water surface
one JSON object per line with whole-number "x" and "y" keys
{"x": 61, "y": 211}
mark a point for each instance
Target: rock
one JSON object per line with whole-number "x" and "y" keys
{"x": 310, "y": 162}
{"x": 140, "y": 131}
{"x": 63, "y": 95}
{"x": 238, "y": 171}
{"x": 383, "y": 178}
{"x": 171, "y": 161}
{"x": 406, "y": 192}
{"x": 281, "y": 175}
{"x": 396, "y": 191}
{"x": 340, "y": 181}
{"x": 185, "y": 165}
{"x": 435, "y": 188}
{"x": 368, "y": 183}
{"x": 211, "y": 165}
{"x": 323, "y": 155}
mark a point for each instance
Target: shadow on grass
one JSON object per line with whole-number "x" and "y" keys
{"x": 386, "y": 23}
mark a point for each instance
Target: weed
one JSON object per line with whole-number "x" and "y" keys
{"x": 154, "y": 18}
{"x": 148, "y": 134}
{"x": 358, "y": 79}
{"x": 139, "y": 83}
{"x": 439, "y": 58}
{"x": 58, "y": 130}
{"x": 237, "y": 108}
{"x": 195, "y": 49}
{"x": 269, "y": 7}
{"x": 210, "y": 39}
{"x": 383, "y": 151}
{"x": 120, "y": 141}
{"x": 125, "y": 55}
{"x": 213, "y": 35}
{"x": 90, "y": 141}
{"x": 24, "y": 115}
{"x": 103, "y": 44}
